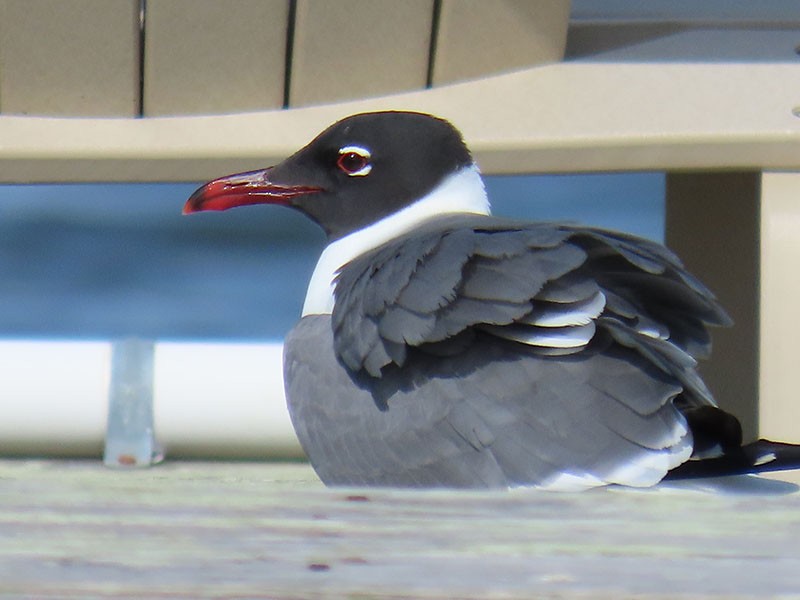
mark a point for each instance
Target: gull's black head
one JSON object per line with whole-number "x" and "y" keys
{"x": 359, "y": 170}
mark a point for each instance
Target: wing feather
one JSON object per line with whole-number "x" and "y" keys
{"x": 542, "y": 285}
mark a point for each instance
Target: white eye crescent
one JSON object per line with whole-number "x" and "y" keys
{"x": 354, "y": 161}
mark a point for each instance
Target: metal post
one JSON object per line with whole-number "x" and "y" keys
{"x": 130, "y": 435}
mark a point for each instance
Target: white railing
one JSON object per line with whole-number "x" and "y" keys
{"x": 208, "y": 399}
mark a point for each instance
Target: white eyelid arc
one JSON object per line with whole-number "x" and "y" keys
{"x": 362, "y": 152}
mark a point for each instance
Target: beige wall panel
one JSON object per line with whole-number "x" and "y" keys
{"x": 214, "y": 56}
{"x": 69, "y": 57}
{"x": 482, "y": 37}
{"x": 346, "y": 49}
{"x": 780, "y": 305}
{"x": 712, "y": 223}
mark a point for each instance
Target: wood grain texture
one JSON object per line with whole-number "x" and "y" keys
{"x": 248, "y": 530}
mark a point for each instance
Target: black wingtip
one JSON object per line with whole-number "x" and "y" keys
{"x": 761, "y": 456}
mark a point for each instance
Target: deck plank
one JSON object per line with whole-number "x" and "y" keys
{"x": 265, "y": 530}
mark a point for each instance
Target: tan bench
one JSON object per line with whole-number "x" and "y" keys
{"x": 714, "y": 103}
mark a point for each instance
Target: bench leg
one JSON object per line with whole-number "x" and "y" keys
{"x": 779, "y": 412}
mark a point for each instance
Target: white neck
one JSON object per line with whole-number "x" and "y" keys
{"x": 462, "y": 192}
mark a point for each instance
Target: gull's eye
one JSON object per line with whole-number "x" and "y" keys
{"x": 354, "y": 161}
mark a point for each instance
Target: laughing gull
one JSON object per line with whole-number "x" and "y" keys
{"x": 441, "y": 346}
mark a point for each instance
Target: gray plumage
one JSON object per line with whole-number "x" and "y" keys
{"x": 426, "y": 388}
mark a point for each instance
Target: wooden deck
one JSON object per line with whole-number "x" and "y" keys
{"x": 255, "y": 530}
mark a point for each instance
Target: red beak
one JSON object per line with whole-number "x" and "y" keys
{"x": 253, "y": 187}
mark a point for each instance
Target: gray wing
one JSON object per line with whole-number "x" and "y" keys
{"x": 547, "y": 351}
{"x": 548, "y": 286}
